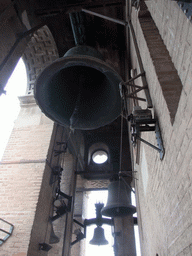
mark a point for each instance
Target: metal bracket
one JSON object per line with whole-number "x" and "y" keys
{"x": 186, "y": 6}
{"x": 124, "y": 91}
{"x": 55, "y": 174}
{"x": 159, "y": 140}
{"x": 5, "y": 228}
{"x": 44, "y": 247}
{"x": 64, "y": 150}
{"x": 80, "y": 235}
{"x": 140, "y": 63}
{"x": 144, "y": 126}
{"x": 63, "y": 209}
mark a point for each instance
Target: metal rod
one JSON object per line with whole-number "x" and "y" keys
{"x": 137, "y": 98}
{"x": 136, "y": 91}
{"x": 93, "y": 172}
{"x": 143, "y": 78}
{"x": 79, "y": 223}
{"x": 121, "y": 22}
{"x": 90, "y": 189}
{"x": 127, "y": 184}
{"x": 23, "y": 35}
{"x": 135, "y": 86}
{"x": 132, "y": 79}
{"x": 78, "y": 28}
{"x": 149, "y": 144}
{"x": 125, "y": 23}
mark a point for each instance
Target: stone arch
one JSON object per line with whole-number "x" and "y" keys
{"x": 39, "y": 53}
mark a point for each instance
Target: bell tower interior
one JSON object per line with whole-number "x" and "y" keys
{"x": 107, "y": 79}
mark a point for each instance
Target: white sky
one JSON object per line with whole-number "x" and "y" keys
{"x": 9, "y": 103}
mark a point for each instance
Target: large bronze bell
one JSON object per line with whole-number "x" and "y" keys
{"x": 118, "y": 203}
{"x": 79, "y": 90}
{"x": 99, "y": 237}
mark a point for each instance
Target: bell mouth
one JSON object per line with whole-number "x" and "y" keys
{"x": 118, "y": 202}
{"x": 80, "y": 92}
{"x": 118, "y": 211}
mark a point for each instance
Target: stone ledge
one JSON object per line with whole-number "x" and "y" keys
{"x": 27, "y": 100}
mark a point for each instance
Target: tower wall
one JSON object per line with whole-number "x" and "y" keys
{"x": 22, "y": 170}
{"x": 164, "y": 186}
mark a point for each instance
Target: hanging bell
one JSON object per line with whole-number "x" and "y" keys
{"x": 53, "y": 238}
{"x": 79, "y": 90}
{"x": 99, "y": 238}
{"x": 118, "y": 203}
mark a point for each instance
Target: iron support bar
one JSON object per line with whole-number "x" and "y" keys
{"x": 98, "y": 221}
{"x": 149, "y": 144}
{"x": 90, "y": 189}
{"x": 126, "y": 183}
{"x": 124, "y": 92}
{"x": 7, "y": 233}
{"x": 129, "y": 23}
{"x": 143, "y": 77}
{"x": 78, "y": 28}
{"x": 132, "y": 79}
{"x": 95, "y": 172}
{"x": 121, "y": 22}
{"x": 21, "y": 36}
{"x": 79, "y": 223}
{"x": 136, "y": 91}
{"x": 81, "y": 235}
{"x": 63, "y": 209}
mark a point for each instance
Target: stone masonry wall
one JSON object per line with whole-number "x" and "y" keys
{"x": 164, "y": 190}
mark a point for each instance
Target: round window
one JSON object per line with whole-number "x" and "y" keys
{"x": 99, "y": 157}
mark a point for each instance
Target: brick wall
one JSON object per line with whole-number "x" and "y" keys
{"x": 164, "y": 188}
{"x": 175, "y": 29}
{"x": 22, "y": 169}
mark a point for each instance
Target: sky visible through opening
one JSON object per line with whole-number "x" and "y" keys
{"x": 94, "y": 250}
{"x": 9, "y": 103}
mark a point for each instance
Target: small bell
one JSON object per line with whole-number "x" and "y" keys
{"x": 118, "y": 204}
{"x": 99, "y": 237}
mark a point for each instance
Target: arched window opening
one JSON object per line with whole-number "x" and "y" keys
{"x": 9, "y": 102}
